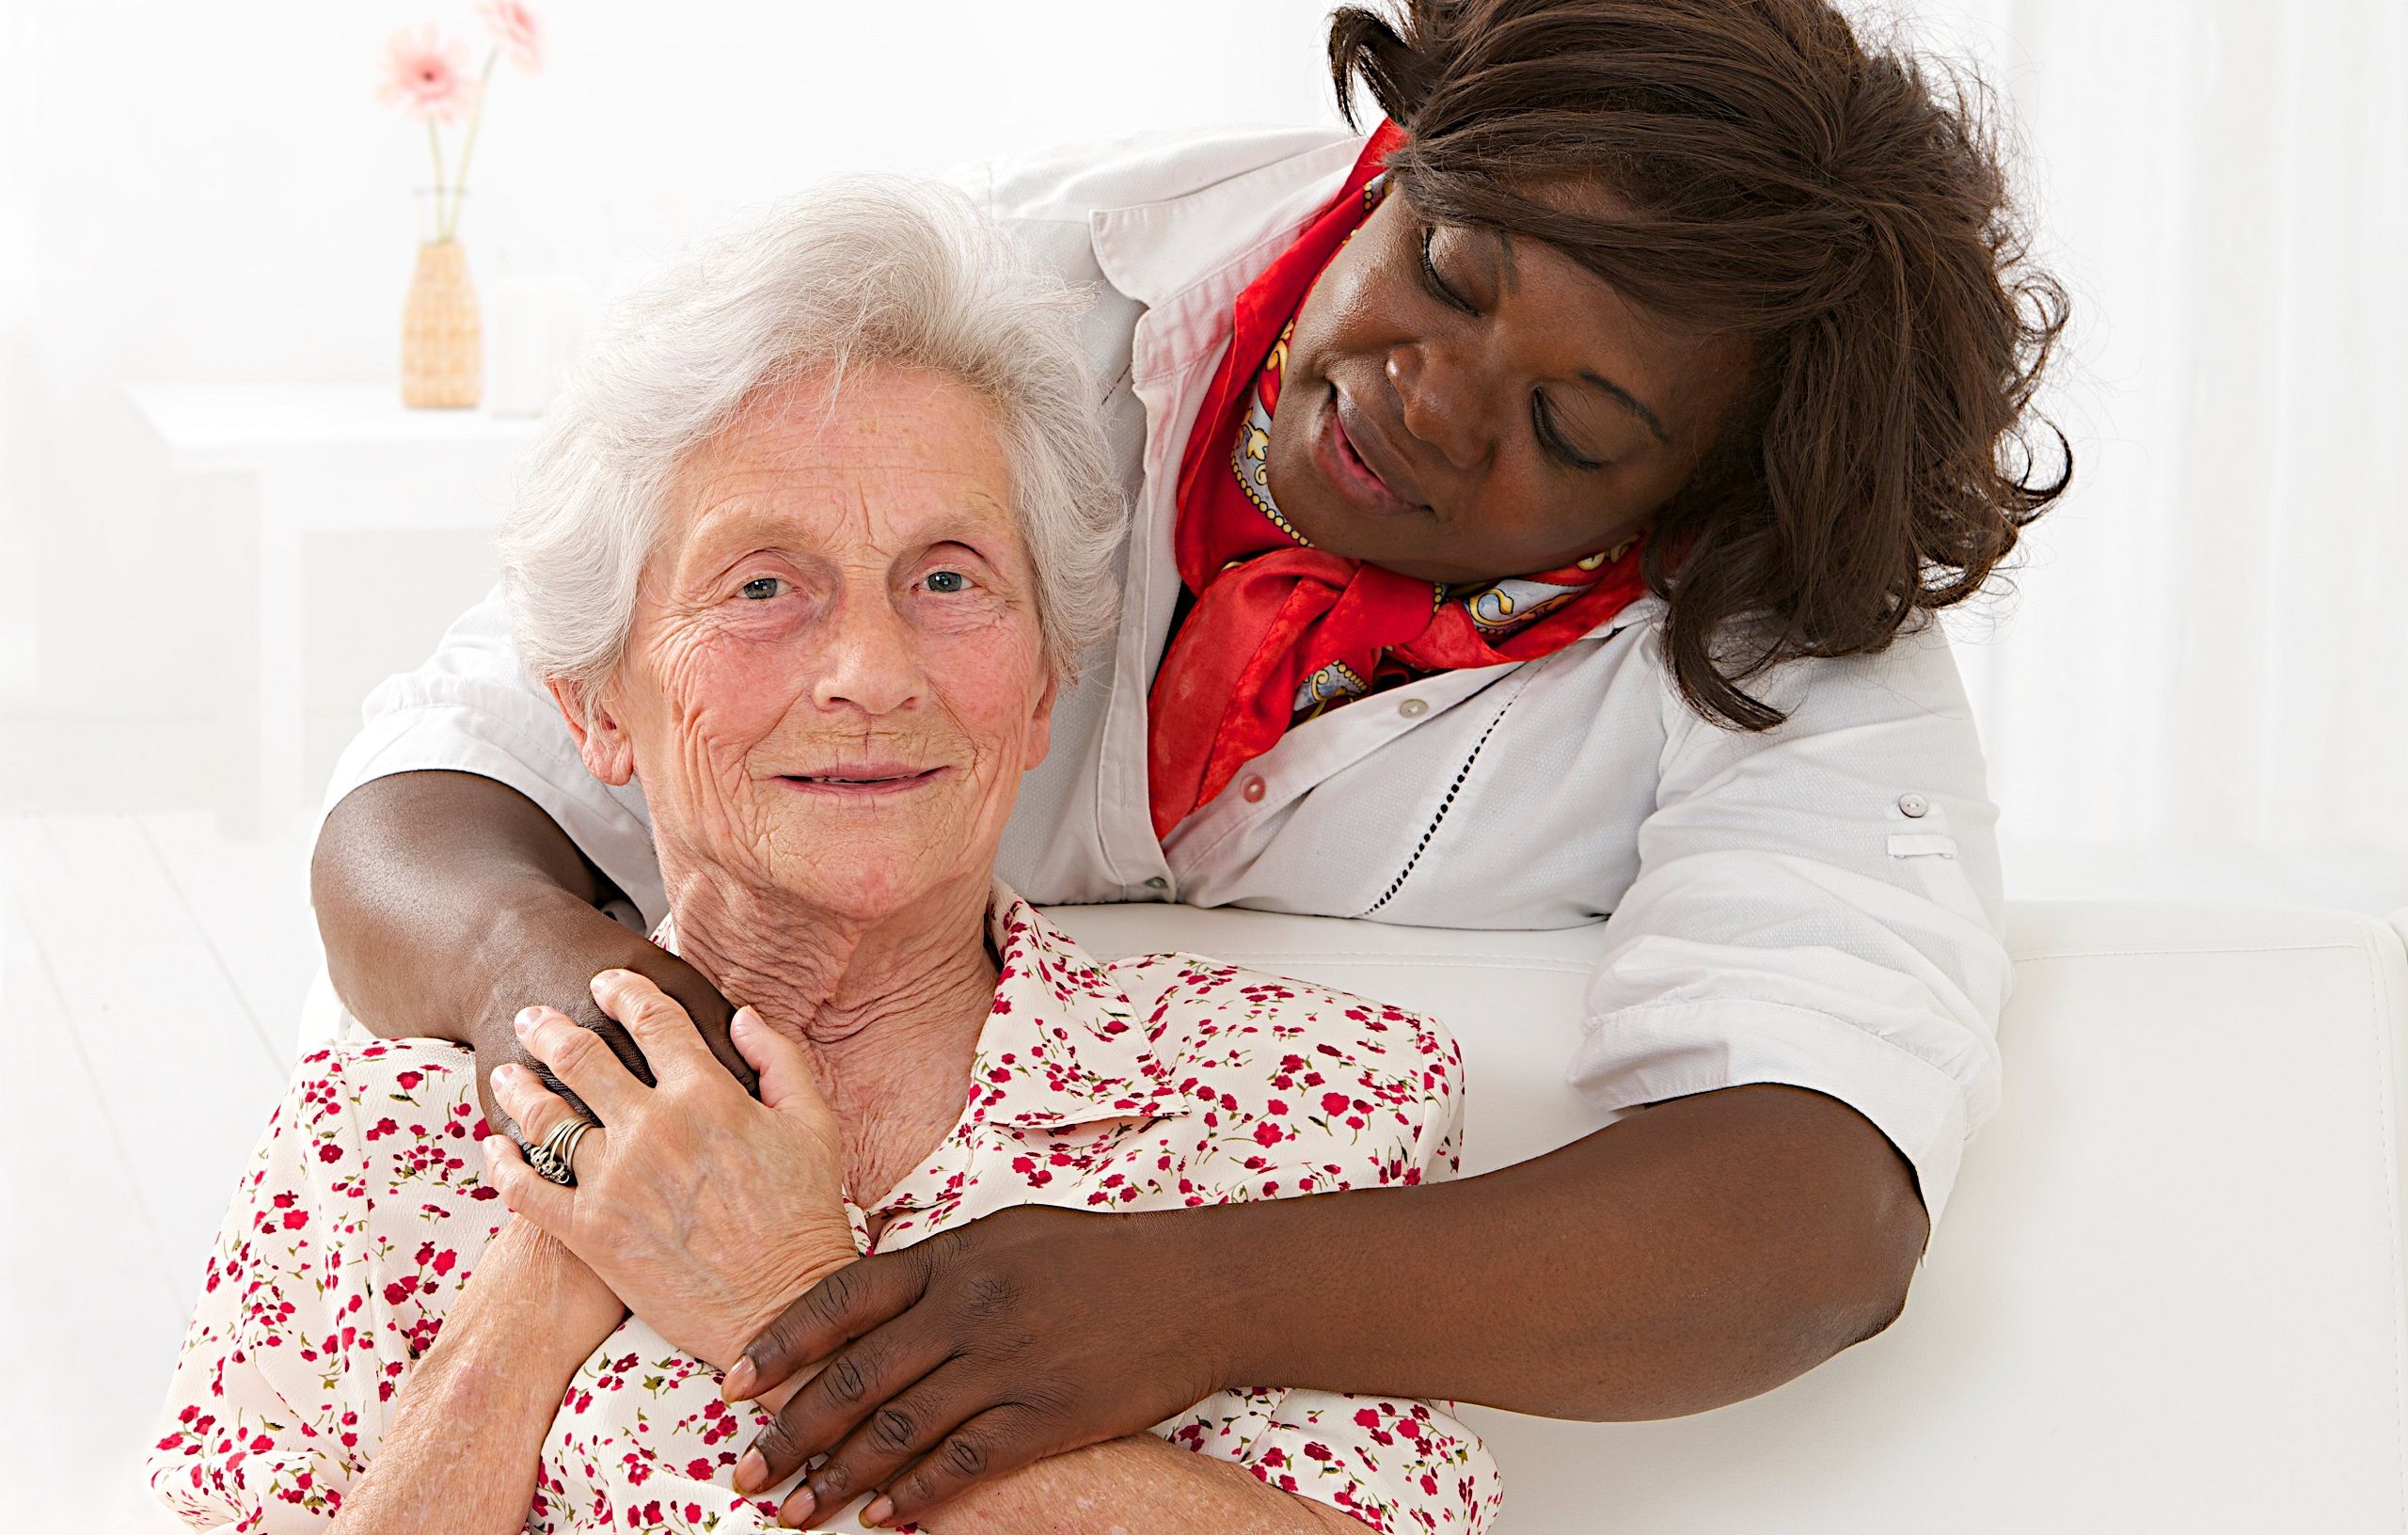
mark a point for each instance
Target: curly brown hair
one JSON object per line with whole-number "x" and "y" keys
{"x": 1844, "y": 209}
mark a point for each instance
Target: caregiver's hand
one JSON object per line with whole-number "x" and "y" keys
{"x": 704, "y": 1211}
{"x": 556, "y": 961}
{"x": 455, "y": 864}
{"x": 1030, "y": 1331}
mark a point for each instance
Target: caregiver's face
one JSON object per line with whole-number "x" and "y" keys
{"x": 1462, "y": 405}
{"x": 836, "y": 674}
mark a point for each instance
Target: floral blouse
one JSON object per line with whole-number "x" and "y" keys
{"x": 1157, "y": 1081}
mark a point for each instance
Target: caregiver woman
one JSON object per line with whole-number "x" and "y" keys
{"x": 1540, "y": 511}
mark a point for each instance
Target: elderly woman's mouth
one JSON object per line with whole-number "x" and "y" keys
{"x": 864, "y": 779}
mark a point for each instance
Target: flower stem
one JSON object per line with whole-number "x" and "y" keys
{"x": 468, "y": 145}
{"x": 435, "y": 147}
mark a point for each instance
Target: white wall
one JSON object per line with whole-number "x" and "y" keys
{"x": 211, "y": 193}
{"x": 2195, "y": 688}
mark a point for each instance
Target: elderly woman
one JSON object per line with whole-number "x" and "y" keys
{"x": 809, "y": 552}
{"x": 1543, "y": 502}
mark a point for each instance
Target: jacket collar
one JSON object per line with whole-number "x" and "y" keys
{"x": 1155, "y": 252}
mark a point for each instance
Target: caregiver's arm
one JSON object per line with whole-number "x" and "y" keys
{"x": 448, "y": 900}
{"x": 460, "y": 1454}
{"x": 1695, "y": 1254}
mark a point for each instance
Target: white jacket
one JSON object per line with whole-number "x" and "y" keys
{"x": 1818, "y": 905}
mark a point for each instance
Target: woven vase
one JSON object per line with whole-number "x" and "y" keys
{"x": 442, "y": 346}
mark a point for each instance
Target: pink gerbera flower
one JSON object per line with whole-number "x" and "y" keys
{"x": 515, "y": 29}
{"x": 427, "y": 75}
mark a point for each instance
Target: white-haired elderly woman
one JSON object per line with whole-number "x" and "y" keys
{"x": 809, "y": 550}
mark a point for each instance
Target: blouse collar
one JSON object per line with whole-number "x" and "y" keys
{"x": 1060, "y": 1047}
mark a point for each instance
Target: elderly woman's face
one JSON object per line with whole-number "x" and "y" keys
{"x": 836, "y": 674}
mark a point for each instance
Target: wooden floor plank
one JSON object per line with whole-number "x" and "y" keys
{"x": 182, "y": 1077}
{"x": 250, "y": 901}
{"x": 92, "y": 1305}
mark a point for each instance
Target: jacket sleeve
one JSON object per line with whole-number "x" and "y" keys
{"x": 1819, "y": 906}
{"x": 471, "y": 709}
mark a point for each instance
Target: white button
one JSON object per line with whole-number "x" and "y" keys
{"x": 1913, "y": 806}
{"x": 1253, "y": 790}
{"x": 1413, "y": 708}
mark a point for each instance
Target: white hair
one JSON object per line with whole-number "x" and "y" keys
{"x": 858, "y": 274}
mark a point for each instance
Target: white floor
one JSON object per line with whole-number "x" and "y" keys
{"x": 151, "y": 972}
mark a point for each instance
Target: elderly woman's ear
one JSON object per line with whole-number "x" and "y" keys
{"x": 609, "y": 752}
{"x": 1041, "y": 735}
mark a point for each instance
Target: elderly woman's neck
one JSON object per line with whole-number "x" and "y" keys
{"x": 924, "y": 975}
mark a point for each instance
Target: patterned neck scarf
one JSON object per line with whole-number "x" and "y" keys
{"x": 1281, "y": 631}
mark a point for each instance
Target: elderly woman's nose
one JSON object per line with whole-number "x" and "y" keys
{"x": 1441, "y": 395}
{"x": 871, "y": 662}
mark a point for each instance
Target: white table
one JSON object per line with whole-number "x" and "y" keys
{"x": 322, "y": 458}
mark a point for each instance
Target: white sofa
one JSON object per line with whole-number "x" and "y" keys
{"x": 2168, "y": 1294}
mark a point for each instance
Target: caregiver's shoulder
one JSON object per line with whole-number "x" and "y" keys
{"x": 1074, "y": 180}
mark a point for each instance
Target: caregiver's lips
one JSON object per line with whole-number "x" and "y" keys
{"x": 1353, "y": 457}
{"x": 865, "y": 779}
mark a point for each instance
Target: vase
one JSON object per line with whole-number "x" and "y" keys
{"x": 441, "y": 344}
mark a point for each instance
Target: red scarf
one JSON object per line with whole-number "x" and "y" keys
{"x": 1281, "y": 631}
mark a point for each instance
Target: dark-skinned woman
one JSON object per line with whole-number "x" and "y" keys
{"x": 1540, "y": 507}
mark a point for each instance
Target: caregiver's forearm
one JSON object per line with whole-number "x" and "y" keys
{"x": 430, "y": 886}
{"x": 1137, "y": 1483}
{"x": 1691, "y": 1255}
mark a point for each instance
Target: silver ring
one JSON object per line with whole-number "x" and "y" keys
{"x": 556, "y": 1158}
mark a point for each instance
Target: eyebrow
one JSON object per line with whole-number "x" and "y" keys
{"x": 1638, "y": 406}
{"x": 1513, "y": 283}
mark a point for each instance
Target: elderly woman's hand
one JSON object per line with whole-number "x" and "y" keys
{"x": 704, "y": 1209}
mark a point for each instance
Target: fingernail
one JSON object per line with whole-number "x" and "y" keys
{"x": 751, "y": 1472}
{"x": 492, "y": 1146}
{"x": 524, "y": 1021}
{"x": 880, "y": 1509}
{"x": 801, "y": 1506}
{"x": 742, "y": 1379}
{"x": 745, "y": 1018}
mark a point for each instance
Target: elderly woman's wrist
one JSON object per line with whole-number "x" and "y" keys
{"x": 812, "y": 1257}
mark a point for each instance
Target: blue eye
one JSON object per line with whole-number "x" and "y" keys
{"x": 761, "y": 588}
{"x": 947, "y": 582}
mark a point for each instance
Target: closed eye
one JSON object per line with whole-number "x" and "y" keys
{"x": 1551, "y": 436}
{"x": 1436, "y": 284}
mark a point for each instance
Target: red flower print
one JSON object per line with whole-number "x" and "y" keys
{"x": 1206, "y": 1094}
